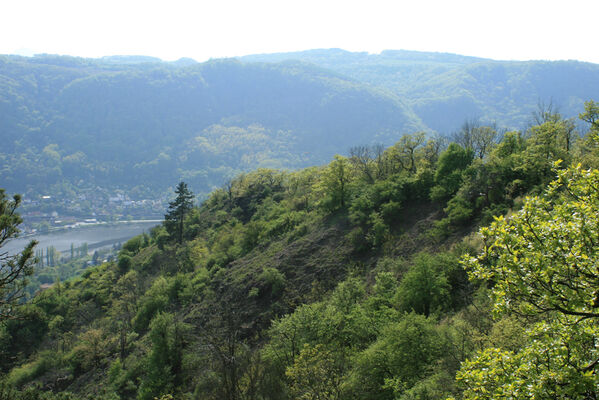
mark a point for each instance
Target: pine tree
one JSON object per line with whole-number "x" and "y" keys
{"x": 177, "y": 210}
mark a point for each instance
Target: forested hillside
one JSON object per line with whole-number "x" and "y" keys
{"x": 139, "y": 125}
{"x": 83, "y": 131}
{"x": 445, "y": 90}
{"x": 360, "y": 279}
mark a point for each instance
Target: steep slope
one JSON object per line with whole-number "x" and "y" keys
{"x": 343, "y": 279}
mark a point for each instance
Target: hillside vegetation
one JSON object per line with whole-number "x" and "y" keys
{"x": 71, "y": 124}
{"x": 445, "y": 90}
{"x": 344, "y": 282}
{"x": 86, "y": 130}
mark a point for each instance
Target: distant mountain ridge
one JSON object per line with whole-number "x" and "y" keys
{"x": 140, "y": 124}
{"x": 446, "y": 89}
{"x": 337, "y": 58}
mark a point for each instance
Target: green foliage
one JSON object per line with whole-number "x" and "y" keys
{"x": 335, "y": 184}
{"x": 587, "y": 147}
{"x": 91, "y": 351}
{"x": 542, "y": 264}
{"x": 551, "y": 227}
{"x": 134, "y": 244}
{"x": 215, "y": 124}
{"x": 155, "y": 300}
{"x": 23, "y": 335}
{"x": 28, "y": 372}
{"x": 164, "y": 360}
{"x": 424, "y": 288}
{"x": 273, "y": 280}
{"x": 7, "y": 393}
{"x": 548, "y": 143}
{"x": 316, "y": 374}
{"x": 14, "y": 269}
{"x": 357, "y": 238}
{"x": 124, "y": 263}
{"x": 459, "y": 211}
{"x": 444, "y": 90}
{"x": 177, "y": 211}
{"x": 591, "y": 114}
{"x": 377, "y": 207}
{"x": 283, "y": 288}
{"x": 448, "y": 175}
{"x": 397, "y": 360}
{"x": 379, "y": 231}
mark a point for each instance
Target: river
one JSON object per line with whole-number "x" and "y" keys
{"x": 95, "y": 235}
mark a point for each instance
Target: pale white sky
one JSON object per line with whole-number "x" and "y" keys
{"x": 501, "y": 29}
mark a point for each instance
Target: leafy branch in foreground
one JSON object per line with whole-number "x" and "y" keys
{"x": 542, "y": 263}
{"x": 14, "y": 268}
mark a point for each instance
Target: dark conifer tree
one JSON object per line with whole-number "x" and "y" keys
{"x": 177, "y": 210}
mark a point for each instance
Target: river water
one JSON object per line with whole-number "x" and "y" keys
{"x": 96, "y": 235}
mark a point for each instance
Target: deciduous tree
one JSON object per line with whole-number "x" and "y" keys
{"x": 335, "y": 182}
{"x": 543, "y": 266}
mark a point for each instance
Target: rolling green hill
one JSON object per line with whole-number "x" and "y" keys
{"x": 134, "y": 125}
{"x": 133, "y": 122}
{"x": 444, "y": 90}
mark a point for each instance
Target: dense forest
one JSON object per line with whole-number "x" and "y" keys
{"x": 71, "y": 124}
{"x": 84, "y": 130}
{"x": 444, "y": 90}
{"x": 428, "y": 269}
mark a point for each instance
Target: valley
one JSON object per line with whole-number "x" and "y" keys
{"x": 311, "y": 225}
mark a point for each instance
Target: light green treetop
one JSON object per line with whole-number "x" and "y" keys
{"x": 542, "y": 263}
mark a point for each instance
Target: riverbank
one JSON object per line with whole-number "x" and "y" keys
{"x": 82, "y": 224}
{"x": 96, "y": 235}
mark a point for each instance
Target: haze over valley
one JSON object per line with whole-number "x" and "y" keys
{"x": 107, "y": 138}
{"x": 307, "y": 200}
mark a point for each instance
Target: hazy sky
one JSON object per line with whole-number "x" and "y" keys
{"x": 203, "y": 29}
